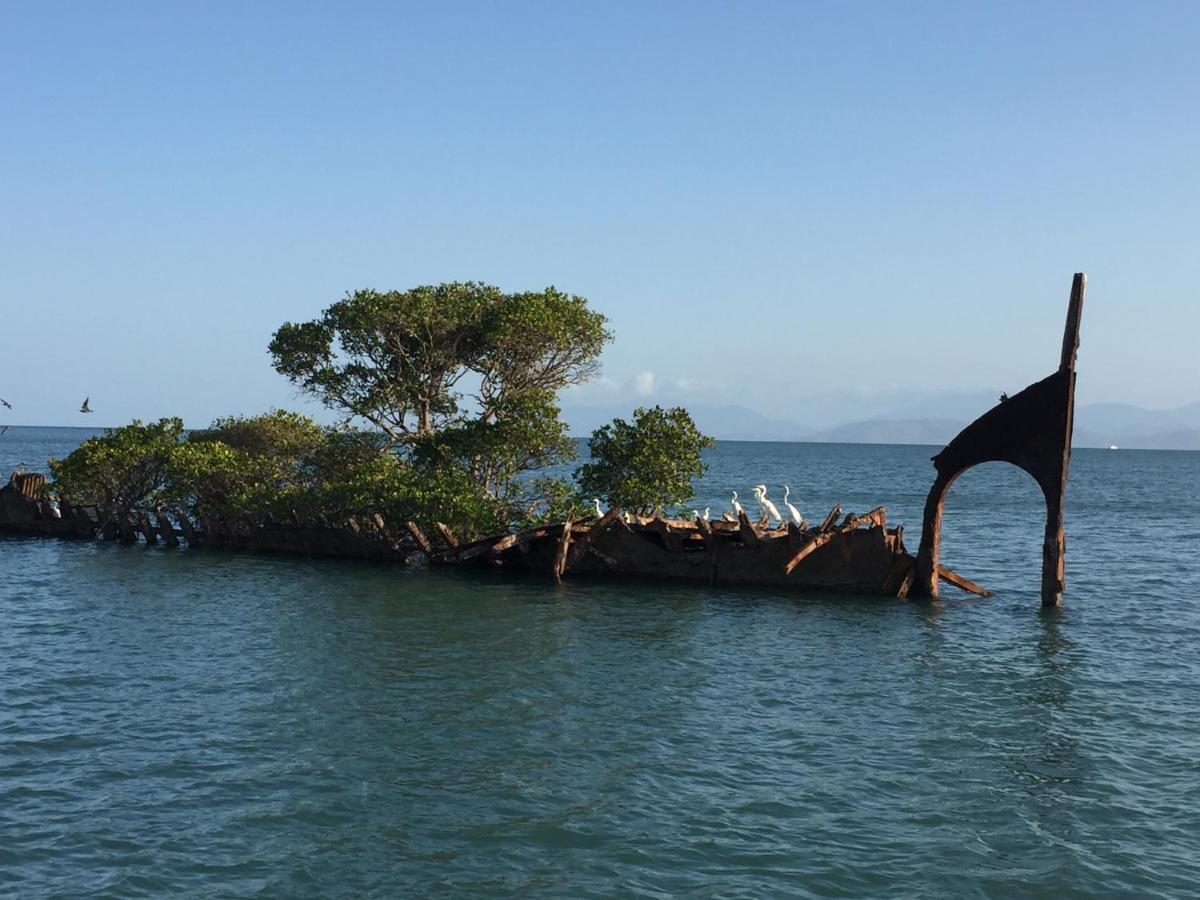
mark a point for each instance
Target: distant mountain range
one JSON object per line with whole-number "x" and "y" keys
{"x": 1096, "y": 425}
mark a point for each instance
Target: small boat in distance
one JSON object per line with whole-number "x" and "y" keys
{"x": 1113, "y": 447}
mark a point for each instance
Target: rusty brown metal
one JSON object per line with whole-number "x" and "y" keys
{"x": 1032, "y": 430}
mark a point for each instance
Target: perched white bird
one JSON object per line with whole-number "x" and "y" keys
{"x": 707, "y": 512}
{"x": 769, "y": 509}
{"x": 695, "y": 514}
{"x": 735, "y": 506}
{"x": 795, "y": 513}
{"x": 599, "y": 511}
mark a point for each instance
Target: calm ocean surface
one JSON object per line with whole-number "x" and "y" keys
{"x": 192, "y": 723}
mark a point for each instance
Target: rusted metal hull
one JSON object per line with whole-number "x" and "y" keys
{"x": 1031, "y": 430}
{"x": 859, "y": 556}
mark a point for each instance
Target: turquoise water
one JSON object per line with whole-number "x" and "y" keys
{"x": 177, "y": 723}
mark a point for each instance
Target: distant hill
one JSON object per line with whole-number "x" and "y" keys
{"x": 725, "y": 423}
{"x": 1096, "y": 425}
{"x": 888, "y": 431}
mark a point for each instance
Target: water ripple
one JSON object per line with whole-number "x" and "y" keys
{"x": 183, "y": 723}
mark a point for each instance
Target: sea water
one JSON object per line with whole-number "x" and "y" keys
{"x": 216, "y": 724}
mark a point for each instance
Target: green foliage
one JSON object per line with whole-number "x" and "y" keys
{"x": 457, "y": 381}
{"x": 121, "y": 470}
{"x": 647, "y": 465}
{"x": 396, "y": 359}
{"x": 550, "y": 500}
{"x": 277, "y": 433}
{"x": 524, "y": 434}
{"x": 401, "y": 492}
{"x": 392, "y": 358}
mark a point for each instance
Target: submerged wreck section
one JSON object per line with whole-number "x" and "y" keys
{"x": 855, "y": 554}
{"x": 851, "y": 554}
{"x": 1032, "y": 430}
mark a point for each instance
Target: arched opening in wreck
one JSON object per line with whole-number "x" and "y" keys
{"x": 993, "y": 518}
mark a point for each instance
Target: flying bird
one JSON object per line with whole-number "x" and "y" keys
{"x": 7, "y": 405}
{"x": 85, "y": 408}
{"x": 795, "y": 513}
{"x": 4, "y": 430}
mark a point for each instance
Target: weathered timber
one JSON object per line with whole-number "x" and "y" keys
{"x": 747, "y": 532}
{"x": 564, "y": 544}
{"x": 951, "y": 577}
{"x": 448, "y": 536}
{"x": 828, "y": 522}
{"x": 419, "y": 537}
{"x": 165, "y": 529}
{"x": 1031, "y": 430}
{"x": 185, "y": 525}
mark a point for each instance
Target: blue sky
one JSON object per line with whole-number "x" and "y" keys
{"x": 771, "y": 201}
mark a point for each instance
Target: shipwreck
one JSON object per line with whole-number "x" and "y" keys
{"x": 859, "y": 554}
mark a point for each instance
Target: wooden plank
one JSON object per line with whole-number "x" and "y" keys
{"x": 147, "y": 530}
{"x": 876, "y": 518}
{"x": 419, "y": 537}
{"x": 560, "y": 557}
{"x": 830, "y": 519}
{"x": 448, "y": 536}
{"x": 746, "y": 531}
{"x": 499, "y": 543}
{"x": 952, "y": 577}
{"x": 185, "y": 525}
{"x": 166, "y": 529}
{"x": 490, "y": 546}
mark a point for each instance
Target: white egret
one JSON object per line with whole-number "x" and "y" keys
{"x": 769, "y": 509}
{"x": 735, "y": 506}
{"x": 795, "y": 513}
{"x": 707, "y": 511}
{"x": 599, "y": 511}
